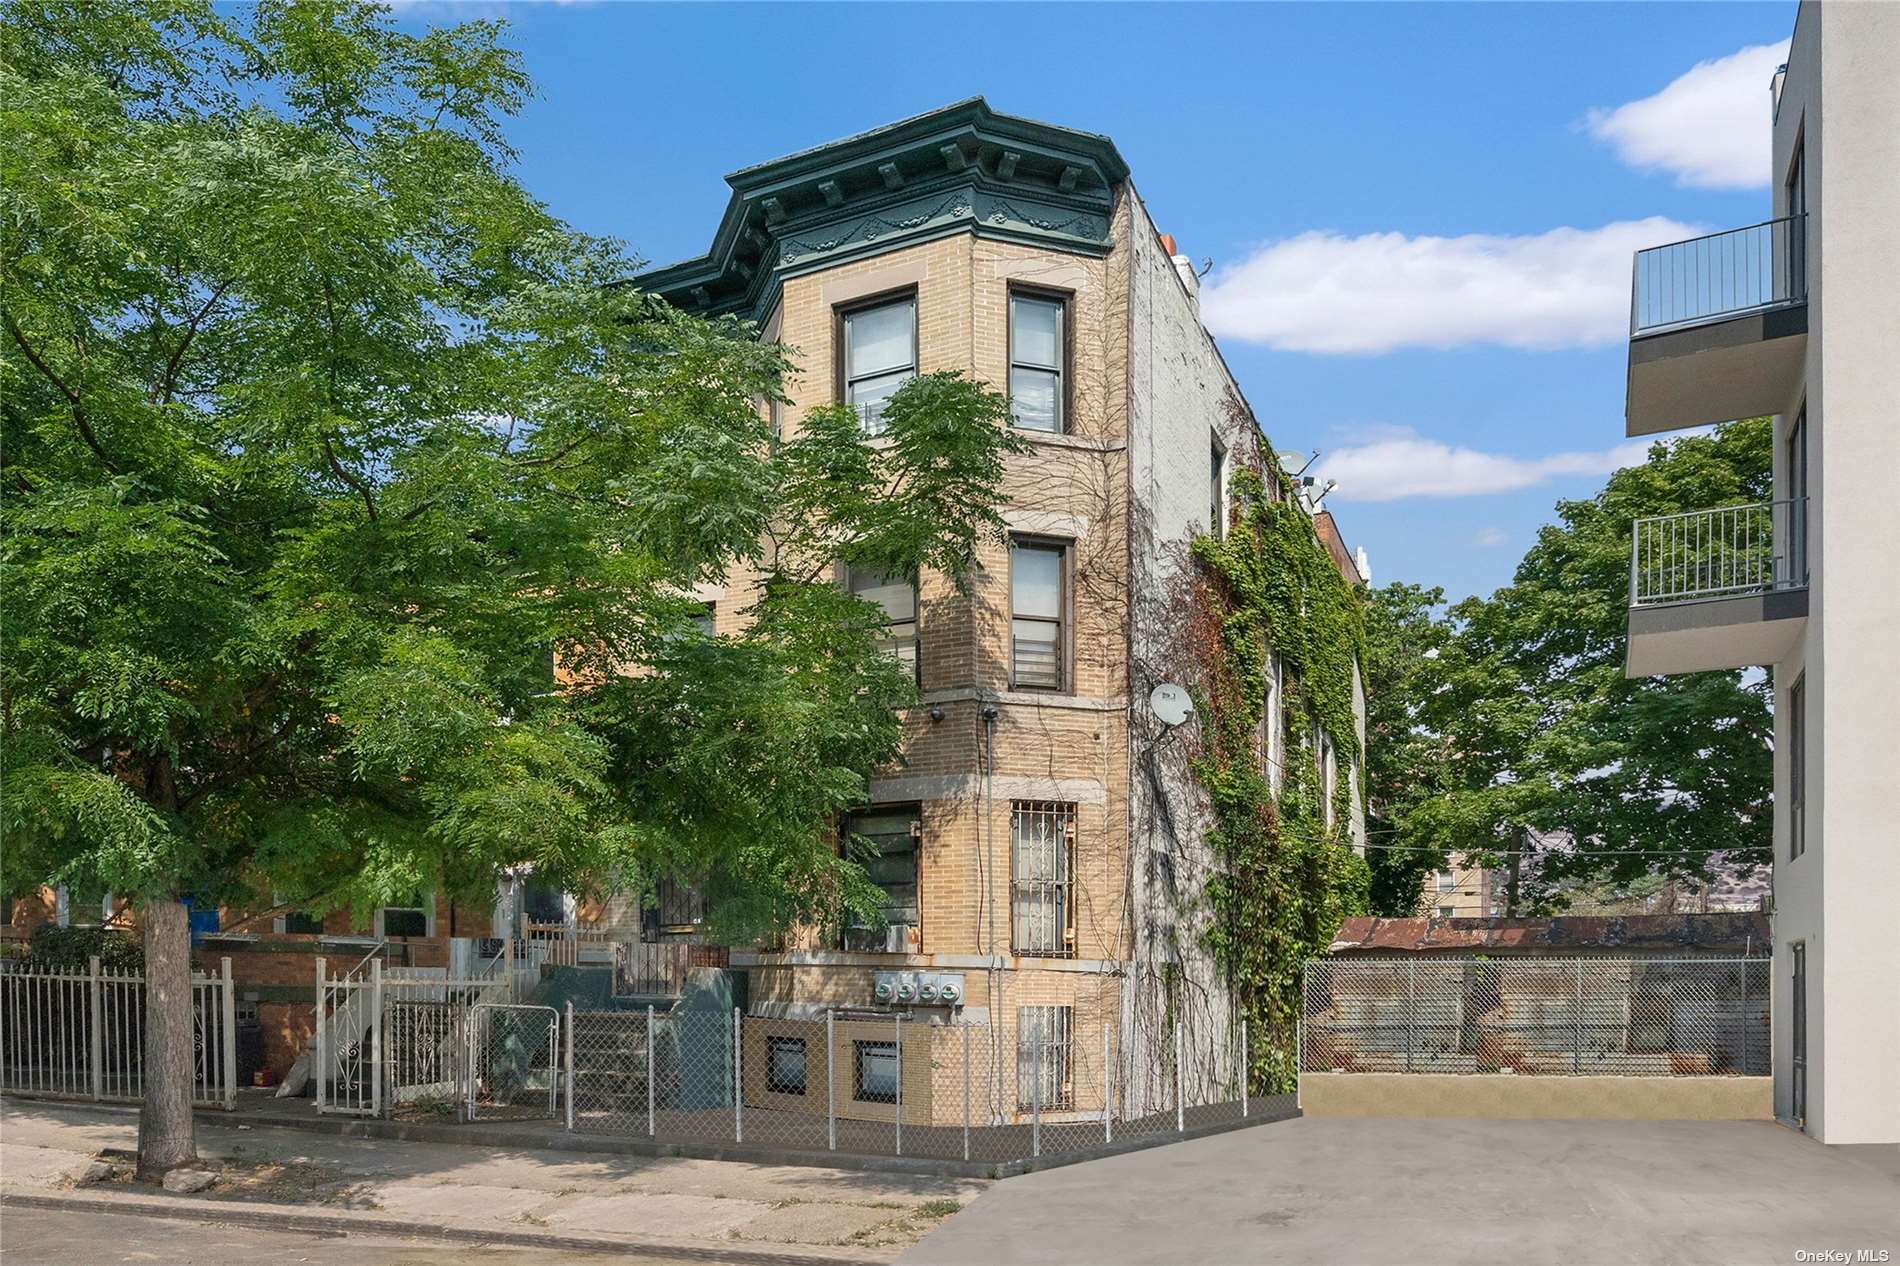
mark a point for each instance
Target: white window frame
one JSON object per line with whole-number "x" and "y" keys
{"x": 1042, "y": 879}
{"x": 848, "y": 379}
{"x": 1060, "y": 369}
{"x": 1060, "y": 621}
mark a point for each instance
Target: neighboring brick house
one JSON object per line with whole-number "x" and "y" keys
{"x": 1021, "y": 841}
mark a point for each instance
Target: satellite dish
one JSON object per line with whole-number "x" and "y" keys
{"x": 1170, "y": 703}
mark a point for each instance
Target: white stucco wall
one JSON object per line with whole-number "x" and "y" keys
{"x": 1842, "y": 101}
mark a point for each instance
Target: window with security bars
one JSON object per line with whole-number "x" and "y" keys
{"x": 896, "y": 594}
{"x": 1043, "y": 1074}
{"x": 1035, "y": 604}
{"x": 679, "y": 908}
{"x": 1042, "y": 864}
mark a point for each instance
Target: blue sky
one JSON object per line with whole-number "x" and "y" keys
{"x": 1367, "y": 180}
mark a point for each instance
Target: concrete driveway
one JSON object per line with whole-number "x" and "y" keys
{"x": 1416, "y": 1193}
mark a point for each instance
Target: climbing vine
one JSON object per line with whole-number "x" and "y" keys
{"x": 1285, "y": 878}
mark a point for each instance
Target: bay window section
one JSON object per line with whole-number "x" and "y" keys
{"x": 896, "y": 594}
{"x": 1036, "y": 604}
{"x": 1036, "y": 355}
{"x": 880, "y": 355}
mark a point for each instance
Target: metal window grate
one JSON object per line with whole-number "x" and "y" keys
{"x": 1043, "y": 1058}
{"x": 1042, "y": 864}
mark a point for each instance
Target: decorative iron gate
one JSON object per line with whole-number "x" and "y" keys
{"x": 347, "y": 1048}
{"x": 514, "y": 1066}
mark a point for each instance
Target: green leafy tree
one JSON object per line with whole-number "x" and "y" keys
{"x": 1405, "y": 634}
{"x": 1541, "y": 733}
{"x": 323, "y": 441}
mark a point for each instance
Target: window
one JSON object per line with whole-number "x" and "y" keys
{"x": 880, "y": 355}
{"x": 703, "y": 619}
{"x": 1042, "y": 1058}
{"x": 411, "y": 919}
{"x": 1796, "y": 196}
{"x": 874, "y": 1072}
{"x": 785, "y": 1065}
{"x": 1037, "y": 352}
{"x": 1036, "y": 583}
{"x": 1447, "y": 882}
{"x": 1042, "y": 859}
{"x": 1273, "y": 716}
{"x": 1445, "y": 912}
{"x": 1328, "y": 758}
{"x": 1217, "y": 489}
{"x": 296, "y": 922}
{"x": 678, "y": 909}
{"x": 887, "y": 849}
{"x": 775, "y": 418}
{"x": 1798, "y": 1041}
{"x": 897, "y": 595}
{"x": 1798, "y": 768}
{"x": 1795, "y": 546}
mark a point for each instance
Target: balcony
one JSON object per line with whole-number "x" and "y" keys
{"x": 1717, "y": 589}
{"x": 1718, "y": 327}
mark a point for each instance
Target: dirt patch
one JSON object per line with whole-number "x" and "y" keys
{"x": 239, "y": 1178}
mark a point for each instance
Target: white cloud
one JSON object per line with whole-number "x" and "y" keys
{"x": 1397, "y": 462}
{"x": 1710, "y": 127}
{"x": 1325, "y": 292}
{"x": 1490, "y": 536}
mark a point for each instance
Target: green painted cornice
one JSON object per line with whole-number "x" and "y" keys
{"x": 961, "y": 169}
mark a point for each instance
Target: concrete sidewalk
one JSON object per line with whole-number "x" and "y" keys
{"x": 1447, "y": 1193}
{"x": 513, "y": 1196}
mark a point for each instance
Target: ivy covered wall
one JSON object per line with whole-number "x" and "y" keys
{"x": 1285, "y": 877}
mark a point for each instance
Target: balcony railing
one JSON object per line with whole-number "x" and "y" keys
{"x": 1721, "y": 553}
{"x": 1720, "y": 275}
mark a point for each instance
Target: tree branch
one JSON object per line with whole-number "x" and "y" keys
{"x": 336, "y": 468}
{"x": 80, "y": 419}
{"x": 162, "y": 389}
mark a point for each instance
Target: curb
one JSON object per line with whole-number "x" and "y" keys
{"x": 287, "y": 1217}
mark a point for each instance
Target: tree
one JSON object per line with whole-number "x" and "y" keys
{"x": 1544, "y": 739}
{"x": 322, "y": 441}
{"x": 1404, "y": 761}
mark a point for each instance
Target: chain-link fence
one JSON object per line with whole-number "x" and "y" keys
{"x": 514, "y": 1062}
{"x": 1540, "y": 1016}
{"x": 887, "y": 1084}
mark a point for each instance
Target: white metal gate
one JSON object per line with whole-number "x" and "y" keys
{"x": 514, "y": 1067}
{"x": 348, "y": 1040}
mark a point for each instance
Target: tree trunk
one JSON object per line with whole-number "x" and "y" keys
{"x": 165, "y": 1127}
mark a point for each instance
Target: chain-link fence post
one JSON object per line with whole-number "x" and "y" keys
{"x": 1576, "y": 1019}
{"x": 1411, "y": 1010}
{"x": 1035, "y": 1091}
{"x": 966, "y": 1092}
{"x": 1180, "y": 1104}
{"x": 651, "y": 1121}
{"x": 898, "y": 1099}
{"x": 738, "y": 1093}
{"x": 95, "y": 1054}
{"x": 1245, "y": 1067}
{"x": 831, "y": 1082}
{"x": 1108, "y": 1092}
{"x": 227, "y": 1014}
{"x": 567, "y": 1065}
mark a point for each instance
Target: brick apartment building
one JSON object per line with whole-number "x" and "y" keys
{"x": 1036, "y": 841}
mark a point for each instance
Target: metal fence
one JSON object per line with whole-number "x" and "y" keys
{"x": 82, "y": 1034}
{"x": 1542, "y": 1016}
{"x": 881, "y": 1084}
{"x": 1720, "y": 274}
{"x": 1719, "y": 553}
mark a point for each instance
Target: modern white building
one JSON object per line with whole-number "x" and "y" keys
{"x": 1799, "y": 317}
